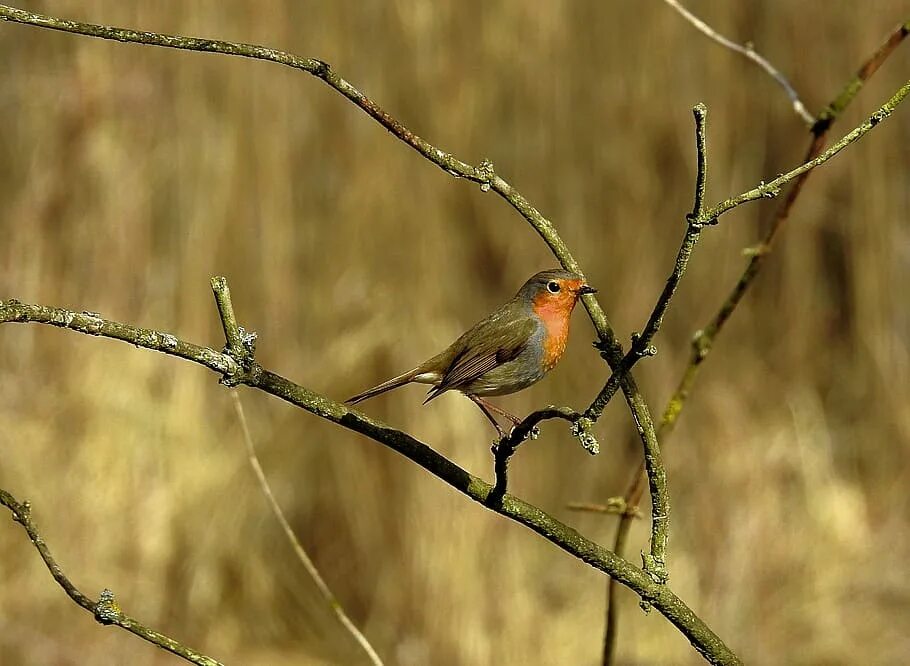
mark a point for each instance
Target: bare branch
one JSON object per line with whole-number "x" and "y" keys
{"x": 484, "y": 174}
{"x": 854, "y": 85}
{"x": 327, "y": 594}
{"x": 611, "y": 349}
{"x": 641, "y": 343}
{"x": 772, "y": 188}
{"x": 704, "y": 338}
{"x": 658, "y": 595}
{"x": 749, "y": 52}
{"x": 527, "y": 429}
{"x": 233, "y": 334}
{"x": 614, "y": 505}
{"x": 105, "y": 610}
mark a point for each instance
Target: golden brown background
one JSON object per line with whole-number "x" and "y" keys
{"x": 129, "y": 175}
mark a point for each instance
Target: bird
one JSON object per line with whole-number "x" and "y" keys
{"x": 507, "y": 351}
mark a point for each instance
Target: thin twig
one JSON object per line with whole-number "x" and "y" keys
{"x": 106, "y": 610}
{"x": 232, "y": 332}
{"x": 484, "y": 174}
{"x": 614, "y": 505}
{"x": 659, "y": 596}
{"x": 505, "y": 448}
{"x": 641, "y": 343}
{"x": 768, "y": 190}
{"x": 704, "y": 339}
{"x": 772, "y": 188}
{"x": 327, "y": 594}
{"x": 749, "y": 52}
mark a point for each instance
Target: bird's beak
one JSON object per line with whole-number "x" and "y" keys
{"x": 586, "y": 289}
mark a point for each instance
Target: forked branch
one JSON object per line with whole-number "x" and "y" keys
{"x": 627, "y": 505}
{"x": 484, "y": 174}
{"x": 532, "y": 517}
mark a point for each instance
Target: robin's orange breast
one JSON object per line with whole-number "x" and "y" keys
{"x": 555, "y": 315}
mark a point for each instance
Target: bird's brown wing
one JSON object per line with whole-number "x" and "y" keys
{"x": 492, "y": 342}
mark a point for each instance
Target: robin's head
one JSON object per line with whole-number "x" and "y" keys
{"x": 554, "y": 291}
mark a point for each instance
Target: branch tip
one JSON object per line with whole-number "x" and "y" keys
{"x": 240, "y": 344}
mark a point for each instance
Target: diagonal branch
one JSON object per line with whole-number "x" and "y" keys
{"x": 772, "y": 188}
{"x": 611, "y": 349}
{"x": 656, "y": 594}
{"x": 328, "y": 596}
{"x": 749, "y": 52}
{"x": 641, "y": 343}
{"x": 702, "y": 216}
{"x": 105, "y": 610}
{"x": 704, "y": 339}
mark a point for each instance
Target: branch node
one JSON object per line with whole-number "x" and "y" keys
{"x": 642, "y": 350}
{"x": 240, "y": 344}
{"x": 24, "y": 515}
{"x": 701, "y": 344}
{"x": 107, "y": 610}
{"x": 248, "y": 340}
{"x": 581, "y": 430}
{"x": 655, "y": 568}
{"x": 697, "y": 224}
{"x": 485, "y": 174}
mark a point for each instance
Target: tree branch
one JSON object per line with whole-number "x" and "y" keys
{"x": 700, "y": 635}
{"x": 641, "y": 343}
{"x": 611, "y": 349}
{"x": 328, "y": 596}
{"x": 704, "y": 338}
{"x": 772, "y": 188}
{"x": 527, "y": 429}
{"x": 105, "y": 610}
{"x": 749, "y": 52}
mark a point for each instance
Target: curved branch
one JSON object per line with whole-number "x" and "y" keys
{"x": 641, "y": 343}
{"x": 328, "y": 596}
{"x": 658, "y": 595}
{"x": 105, "y": 610}
{"x": 749, "y": 53}
{"x": 611, "y": 349}
{"x": 704, "y": 339}
{"x": 772, "y": 188}
{"x": 504, "y": 449}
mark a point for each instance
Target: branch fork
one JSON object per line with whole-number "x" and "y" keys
{"x": 240, "y": 345}
{"x": 505, "y": 448}
{"x": 236, "y": 364}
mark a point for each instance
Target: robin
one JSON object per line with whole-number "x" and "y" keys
{"x": 509, "y": 350}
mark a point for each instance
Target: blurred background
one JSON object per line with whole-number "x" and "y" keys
{"x": 129, "y": 175}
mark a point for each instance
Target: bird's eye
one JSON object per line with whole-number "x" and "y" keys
{"x": 553, "y": 287}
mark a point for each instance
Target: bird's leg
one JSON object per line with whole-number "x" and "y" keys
{"x": 483, "y": 404}
{"x": 499, "y": 410}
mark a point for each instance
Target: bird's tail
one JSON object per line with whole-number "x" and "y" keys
{"x": 394, "y": 382}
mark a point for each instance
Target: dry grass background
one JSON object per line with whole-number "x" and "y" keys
{"x": 129, "y": 175}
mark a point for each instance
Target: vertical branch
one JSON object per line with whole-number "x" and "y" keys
{"x": 704, "y": 338}
{"x": 701, "y": 150}
{"x": 700, "y": 114}
{"x": 232, "y": 334}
